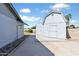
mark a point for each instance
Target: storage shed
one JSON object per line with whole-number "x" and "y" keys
{"x": 53, "y": 26}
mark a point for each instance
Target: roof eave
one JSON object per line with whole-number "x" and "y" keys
{"x": 13, "y": 10}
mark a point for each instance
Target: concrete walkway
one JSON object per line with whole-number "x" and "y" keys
{"x": 31, "y": 47}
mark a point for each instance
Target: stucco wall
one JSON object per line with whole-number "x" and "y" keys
{"x": 54, "y": 27}
{"x": 20, "y": 30}
{"x": 8, "y": 26}
{"x": 8, "y": 30}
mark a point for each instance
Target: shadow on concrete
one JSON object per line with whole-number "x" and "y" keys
{"x": 31, "y": 47}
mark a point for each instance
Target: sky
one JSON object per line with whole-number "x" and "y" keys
{"x": 34, "y": 13}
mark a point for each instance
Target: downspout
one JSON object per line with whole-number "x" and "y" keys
{"x": 17, "y": 29}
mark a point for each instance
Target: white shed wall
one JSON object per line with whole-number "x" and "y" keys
{"x": 54, "y": 27}
{"x": 55, "y": 18}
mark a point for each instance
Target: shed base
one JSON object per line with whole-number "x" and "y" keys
{"x": 45, "y": 38}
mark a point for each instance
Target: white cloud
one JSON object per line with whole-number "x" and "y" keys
{"x": 59, "y": 6}
{"x": 29, "y": 18}
{"x": 45, "y": 11}
{"x": 25, "y": 10}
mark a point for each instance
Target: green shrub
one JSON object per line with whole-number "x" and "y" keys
{"x": 26, "y": 31}
{"x": 72, "y": 26}
{"x": 34, "y": 27}
{"x": 29, "y": 30}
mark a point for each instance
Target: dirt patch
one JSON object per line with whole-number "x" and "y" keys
{"x": 68, "y": 47}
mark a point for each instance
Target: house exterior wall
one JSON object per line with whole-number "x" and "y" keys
{"x": 8, "y": 26}
{"x": 8, "y": 30}
{"x": 54, "y": 27}
{"x": 20, "y": 30}
{"x": 4, "y": 10}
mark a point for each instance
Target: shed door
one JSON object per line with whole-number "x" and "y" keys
{"x": 52, "y": 30}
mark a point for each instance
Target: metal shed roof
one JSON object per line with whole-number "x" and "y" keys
{"x": 54, "y": 13}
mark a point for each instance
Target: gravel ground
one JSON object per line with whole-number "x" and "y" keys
{"x": 69, "y": 47}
